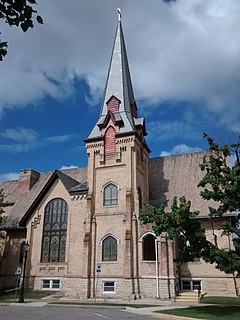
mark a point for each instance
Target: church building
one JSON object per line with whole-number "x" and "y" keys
{"x": 78, "y": 230}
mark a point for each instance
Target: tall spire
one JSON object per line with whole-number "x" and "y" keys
{"x": 119, "y": 87}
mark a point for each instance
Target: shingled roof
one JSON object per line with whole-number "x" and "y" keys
{"x": 178, "y": 176}
{"x": 20, "y": 201}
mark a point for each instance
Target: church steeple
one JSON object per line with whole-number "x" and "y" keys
{"x": 118, "y": 99}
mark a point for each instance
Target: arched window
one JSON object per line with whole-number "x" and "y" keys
{"x": 109, "y": 249}
{"x": 110, "y": 140}
{"x": 149, "y": 247}
{"x": 54, "y": 231}
{"x": 110, "y": 195}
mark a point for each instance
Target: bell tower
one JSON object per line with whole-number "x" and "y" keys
{"x": 117, "y": 179}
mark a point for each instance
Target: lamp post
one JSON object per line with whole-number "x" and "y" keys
{"x": 24, "y": 251}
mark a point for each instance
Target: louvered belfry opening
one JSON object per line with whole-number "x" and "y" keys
{"x": 110, "y": 140}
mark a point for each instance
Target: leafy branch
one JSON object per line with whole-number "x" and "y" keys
{"x": 19, "y": 13}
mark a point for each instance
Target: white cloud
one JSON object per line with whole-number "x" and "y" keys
{"x": 183, "y": 50}
{"x": 59, "y": 139}
{"x": 20, "y": 134}
{"x": 9, "y": 176}
{"x": 28, "y": 139}
{"x": 180, "y": 149}
{"x": 18, "y": 147}
{"x": 165, "y": 130}
{"x": 68, "y": 167}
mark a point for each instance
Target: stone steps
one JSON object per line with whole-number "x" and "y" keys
{"x": 187, "y": 297}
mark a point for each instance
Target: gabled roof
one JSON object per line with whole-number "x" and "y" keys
{"x": 116, "y": 117}
{"x": 27, "y": 201}
{"x": 67, "y": 181}
{"x": 81, "y": 188}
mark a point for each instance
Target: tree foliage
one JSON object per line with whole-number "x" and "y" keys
{"x": 179, "y": 224}
{"x": 19, "y": 13}
{"x": 221, "y": 184}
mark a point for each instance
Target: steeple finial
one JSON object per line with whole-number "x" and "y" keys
{"x": 119, "y": 14}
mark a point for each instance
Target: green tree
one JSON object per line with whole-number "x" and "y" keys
{"x": 221, "y": 184}
{"x": 179, "y": 223}
{"x": 19, "y": 13}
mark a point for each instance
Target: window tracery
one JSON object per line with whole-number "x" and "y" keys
{"x": 54, "y": 231}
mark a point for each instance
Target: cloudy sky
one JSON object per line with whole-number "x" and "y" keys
{"x": 184, "y": 58}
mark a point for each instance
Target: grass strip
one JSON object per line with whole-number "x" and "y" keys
{"x": 207, "y": 312}
{"x": 233, "y": 301}
{"x": 11, "y": 295}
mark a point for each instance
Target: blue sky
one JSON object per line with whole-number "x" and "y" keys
{"x": 184, "y": 62}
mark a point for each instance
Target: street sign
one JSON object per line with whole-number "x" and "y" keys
{"x": 98, "y": 269}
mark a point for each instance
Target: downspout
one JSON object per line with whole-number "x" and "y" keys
{"x": 137, "y": 259}
{"x": 90, "y": 242}
{"x": 156, "y": 265}
{"x": 94, "y": 236}
{"x": 131, "y": 241}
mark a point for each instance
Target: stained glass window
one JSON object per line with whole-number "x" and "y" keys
{"x": 54, "y": 231}
{"x": 109, "y": 249}
{"x": 110, "y": 195}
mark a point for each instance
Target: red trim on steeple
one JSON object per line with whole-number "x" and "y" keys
{"x": 134, "y": 109}
{"x": 113, "y": 104}
{"x": 110, "y": 140}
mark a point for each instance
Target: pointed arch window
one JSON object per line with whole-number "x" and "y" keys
{"x": 109, "y": 249}
{"x": 149, "y": 253}
{"x": 110, "y": 140}
{"x": 54, "y": 231}
{"x": 110, "y": 195}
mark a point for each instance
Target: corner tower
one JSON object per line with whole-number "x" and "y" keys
{"x": 117, "y": 180}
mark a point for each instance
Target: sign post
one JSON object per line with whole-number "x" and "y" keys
{"x": 98, "y": 270}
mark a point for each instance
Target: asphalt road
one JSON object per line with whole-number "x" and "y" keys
{"x": 23, "y": 312}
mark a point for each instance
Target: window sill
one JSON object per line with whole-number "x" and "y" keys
{"x": 52, "y": 263}
{"x": 111, "y": 206}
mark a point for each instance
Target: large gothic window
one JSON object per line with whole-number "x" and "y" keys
{"x": 149, "y": 248}
{"x": 54, "y": 231}
{"x": 109, "y": 249}
{"x": 110, "y": 195}
{"x": 110, "y": 140}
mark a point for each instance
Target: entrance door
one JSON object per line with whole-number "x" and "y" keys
{"x": 191, "y": 285}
